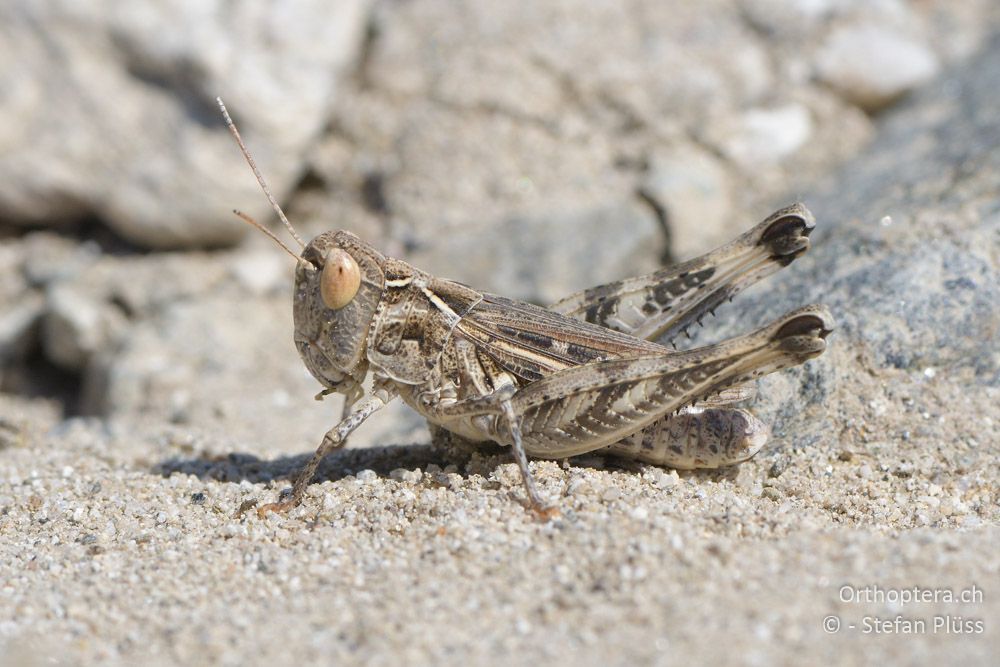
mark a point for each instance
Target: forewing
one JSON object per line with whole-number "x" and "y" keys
{"x": 531, "y": 342}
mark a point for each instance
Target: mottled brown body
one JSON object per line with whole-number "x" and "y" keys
{"x": 584, "y": 375}
{"x": 564, "y": 381}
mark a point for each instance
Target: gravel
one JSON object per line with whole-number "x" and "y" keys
{"x": 136, "y": 445}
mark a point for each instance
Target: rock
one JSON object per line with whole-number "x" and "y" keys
{"x": 185, "y": 360}
{"x": 47, "y": 305}
{"x": 915, "y": 290}
{"x": 545, "y": 258}
{"x": 21, "y": 309}
{"x": 18, "y": 322}
{"x": 762, "y": 137}
{"x": 45, "y": 258}
{"x": 113, "y": 116}
{"x": 461, "y": 127}
{"x": 787, "y": 17}
{"x": 262, "y": 271}
{"x": 693, "y": 188}
{"x": 226, "y": 360}
{"x": 872, "y": 66}
{"x": 405, "y": 475}
{"x": 77, "y": 324}
{"x": 74, "y": 303}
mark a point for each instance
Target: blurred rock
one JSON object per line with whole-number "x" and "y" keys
{"x": 904, "y": 254}
{"x": 226, "y": 362}
{"x": 872, "y": 66}
{"x": 546, "y": 258}
{"x": 109, "y": 110}
{"x": 262, "y": 271}
{"x": 18, "y": 320}
{"x": 66, "y": 304}
{"x": 762, "y": 137}
{"x": 490, "y": 149}
{"x": 459, "y": 121}
{"x": 20, "y": 311}
{"x": 76, "y": 325}
{"x": 788, "y": 16}
{"x": 466, "y": 122}
{"x": 693, "y": 188}
{"x": 45, "y": 257}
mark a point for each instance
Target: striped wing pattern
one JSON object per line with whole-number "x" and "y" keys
{"x": 531, "y": 342}
{"x": 596, "y": 404}
{"x": 662, "y": 304}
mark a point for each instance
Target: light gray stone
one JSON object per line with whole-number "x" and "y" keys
{"x": 262, "y": 271}
{"x": 904, "y": 255}
{"x": 466, "y": 124}
{"x": 763, "y": 137}
{"x": 694, "y": 189}
{"x": 547, "y": 257}
{"x": 18, "y": 324}
{"x": 872, "y": 66}
{"x": 20, "y": 311}
{"x": 109, "y": 109}
{"x": 77, "y": 324}
{"x": 789, "y": 16}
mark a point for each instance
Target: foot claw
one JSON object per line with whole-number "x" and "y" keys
{"x": 277, "y": 508}
{"x": 545, "y": 514}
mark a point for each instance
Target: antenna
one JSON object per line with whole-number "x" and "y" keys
{"x": 260, "y": 179}
{"x": 250, "y": 221}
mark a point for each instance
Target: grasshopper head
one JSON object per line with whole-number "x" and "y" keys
{"x": 338, "y": 284}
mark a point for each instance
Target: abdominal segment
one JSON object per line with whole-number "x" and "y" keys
{"x": 695, "y": 438}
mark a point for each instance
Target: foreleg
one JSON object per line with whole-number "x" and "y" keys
{"x": 335, "y": 438}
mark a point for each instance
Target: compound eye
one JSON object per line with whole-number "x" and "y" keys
{"x": 340, "y": 280}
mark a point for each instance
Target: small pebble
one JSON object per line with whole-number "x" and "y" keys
{"x": 406, "y": 476}
{"x": 767, "y": 135}
{"x": 871, "y": 65}
{"x": 260, "y": 272}
{"x": 667, "y": 480}
{"x": 577, "y": 486}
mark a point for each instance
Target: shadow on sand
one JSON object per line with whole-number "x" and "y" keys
{"x": 237, "y": 467}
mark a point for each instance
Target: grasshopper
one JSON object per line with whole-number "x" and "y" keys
{"x": 581, "y": 376}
